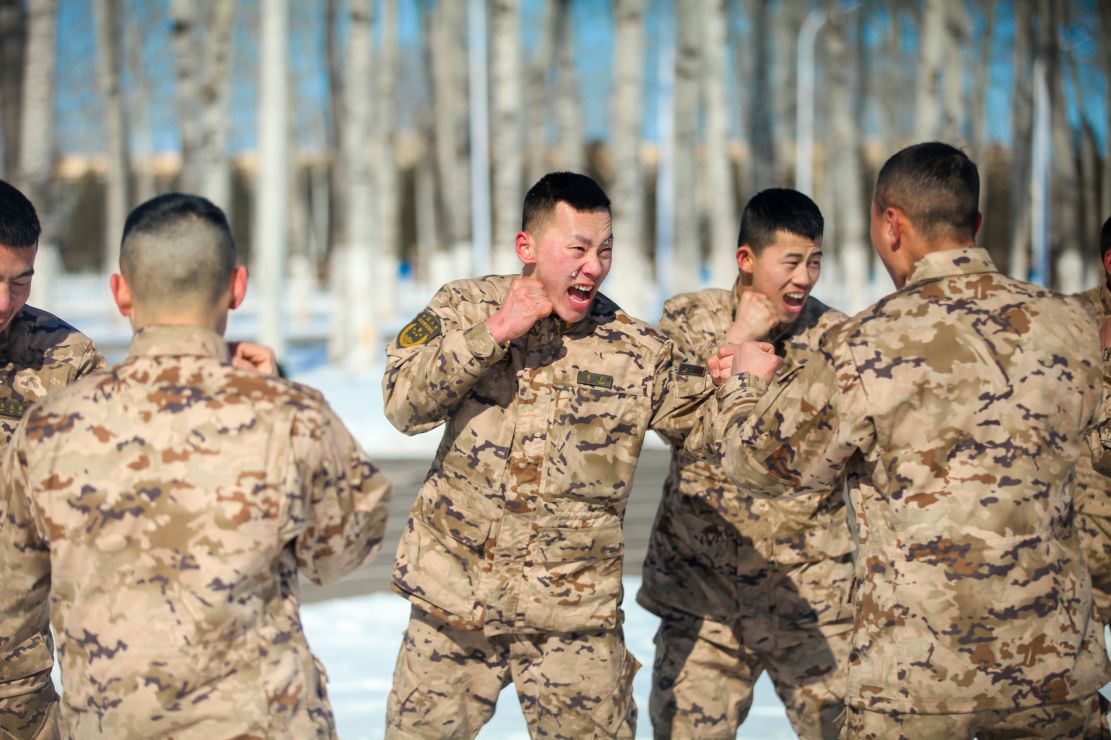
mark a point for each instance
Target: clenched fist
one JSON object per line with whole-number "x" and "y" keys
{"x": 755, "y": 317}
{"x": 757, "y": 358}
{"x": 523, "y": 307}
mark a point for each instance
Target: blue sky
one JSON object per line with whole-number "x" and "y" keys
{"x": 78, "y": 103}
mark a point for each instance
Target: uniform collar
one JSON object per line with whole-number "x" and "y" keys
{"x": 949, "y": 263}
{"x": 178, "y": 340}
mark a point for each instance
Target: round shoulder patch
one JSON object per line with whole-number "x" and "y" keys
{"x": 422, "y": 329}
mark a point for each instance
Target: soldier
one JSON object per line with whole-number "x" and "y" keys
{"x": 961, "y": 402}
{"x": 512, "y": 555}
{"x": 1093, "y": 491}
{"x": 165, "y": 506}
{"x": 38, "y": 351}
{"x": 743, "y": 584}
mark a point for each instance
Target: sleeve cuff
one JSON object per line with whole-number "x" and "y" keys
{"x": 481, "y": 343}
{"x": 743, "y": 384}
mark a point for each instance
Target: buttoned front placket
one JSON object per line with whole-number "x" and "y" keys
{"x": 532, "y": 361}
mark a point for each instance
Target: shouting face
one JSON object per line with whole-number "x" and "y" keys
{"x": 569, "y": 254}
{"x": 785, "y": 271}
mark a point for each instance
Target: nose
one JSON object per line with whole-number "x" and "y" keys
{"x": 5, "y": 299}
{"x": 591, "y": 267}
{"x": 803, "y": 276}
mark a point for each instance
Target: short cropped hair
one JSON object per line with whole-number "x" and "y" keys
{"x": 1105, "y": 238}
{"x": 177, "y": 249}
{"x": 936, "y": 185}
{"x": 19, "y": 224}
{"x": 578, "y": 191}
{"x": 778, "y": 209}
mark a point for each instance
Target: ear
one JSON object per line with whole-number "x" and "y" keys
{"x": 121, "y": 293}
{"x": 746, "y": 259}
{"x": 525, "y": 246}
{"x": 238, "y": 287}
{"x": 895, "y": 223}
{"x": 978, "y": 223}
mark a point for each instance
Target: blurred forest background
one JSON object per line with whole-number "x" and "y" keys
{"x": 370, "y": 150}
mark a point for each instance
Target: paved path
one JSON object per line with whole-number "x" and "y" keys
{"x": 407, "y": 475}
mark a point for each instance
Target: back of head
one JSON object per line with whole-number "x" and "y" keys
{"x": 177, "y": 252}
{"x": 578, "y": 191}
{"x": 937, "y": 186}
{"x": 778, "y": 209}
{"x": 19, "y": 224}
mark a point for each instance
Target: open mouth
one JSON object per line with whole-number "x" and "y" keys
{"x": 580, "y": 295}
{"x": 794, "y": 301}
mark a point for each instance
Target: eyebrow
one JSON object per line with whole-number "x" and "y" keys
{"x": 26, "y": 273}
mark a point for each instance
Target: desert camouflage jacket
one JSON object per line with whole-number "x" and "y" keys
{"x": 1093, "y": 489}
{"x": 718, "y": 553}
{"x": 162, "y": 510}
{"x": 39, "y": 353}
{"x": 518, "y": 527}
{"x": 963, "y": 401}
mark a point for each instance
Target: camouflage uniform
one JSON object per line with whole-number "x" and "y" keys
{"x": 39, "y": 353}
{"x": 960, "y": 404}
{"x": 165, "y": 507}
{"x": 514, "y": 547}
{"x": 1093, "y": 493}
{"x": 743, "y": 583}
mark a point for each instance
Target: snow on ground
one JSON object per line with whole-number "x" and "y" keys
{"x": 357, "y": 640}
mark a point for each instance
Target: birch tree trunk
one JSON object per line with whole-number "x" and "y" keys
{"x": 541, "y": 97}
{"x": 626, "y": 283}
{"x": 687, "y": 255}
{"x": 569, "y": 113}
{"x": 449, "y": 83}
{"x": 957, "y": 32}
{"x": 760, "y": 110}
{"x": 139, "y": 97}
{"x": 13, "y": 44}
{"x": 848, "y": 203}
{"x": 506, "y": 145}
{"x": 719, "y": 170}
{"x": 356, "y": 300}
{"x": 385, "y": 169}
{"x": 981, "y": 84}
{"x": 928, "y": 95}
{"x": 337, "y": 175}
{"x": 1022, "y": 108}
{"x": 108, "y": 63}
{"x": 36, "y": 158}
{"x": 786, "y": 22}
{"x": 1105, "y": 58}
{"x": 187, "y": 53}
{"x": 742, "y": 69}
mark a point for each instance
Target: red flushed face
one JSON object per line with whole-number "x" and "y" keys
{"x": 17, "y": 265}
{"x": 786, "y": 271}
{"x": 570, "y": 255}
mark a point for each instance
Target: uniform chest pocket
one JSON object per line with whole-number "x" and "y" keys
{"x": 595, "y": 431}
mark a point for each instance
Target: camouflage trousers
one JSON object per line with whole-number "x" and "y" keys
{"x": 570, "y": 685}
{"x": 705, "y": 672}
{"x": 1079, "y": 719}
{"x": 31, "y": 715}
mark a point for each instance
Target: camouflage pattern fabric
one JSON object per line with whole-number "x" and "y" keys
{"x": 960, "y": 405}
{"x": 569, "y": 684}
{"x": 1093, "y": 492}
{"x": 39, "y": 353}
{"x": 518, "y": 526}
{"x": 743, "y": 562}
{"x": 1083, "y": 718}
{"x": 165, "y": 507}
{"x": 704, "y": 675}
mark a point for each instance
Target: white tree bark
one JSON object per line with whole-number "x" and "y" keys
{"x": 759, "y": 108}
{"x": 719, "y": 188}
{"x": 387, "y": 181}
{"x": 928, "y": 95}
{"x": 568, "y": 113}
{"x": 506, "y": 139}
{"x": 631, "y": 271}
{"x": 541, "y": 96}
{"x": 848, "y": 205}
{"x": 687, "y": 254}
{"x": 108, "y": 63}
{"x": 957, "y": 31}
{"x": 36, "y": 157}
{"x": 1022, "y": 104}
{"x": 139, "y": 97}
{"x": 187, "y": 55}
{"x": 271, "y": 225}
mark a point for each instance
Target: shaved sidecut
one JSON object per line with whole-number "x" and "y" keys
{"x": 177, "y": 252}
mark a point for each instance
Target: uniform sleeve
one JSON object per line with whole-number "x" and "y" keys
{"x": 345, "y": 501}
{"x": 792, "y": 437}
{"x": 433, "y": 363}
{"x": 27, "y": 693}
{"x": 680, "y": 390}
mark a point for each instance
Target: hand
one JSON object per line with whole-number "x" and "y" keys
{"x": 525, "y": 304}
{"x": 256, "y": 357}
{"x": 755, "y": 317}
{"x": 1105, "y": 333}
{"x": 757, "y": 358}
